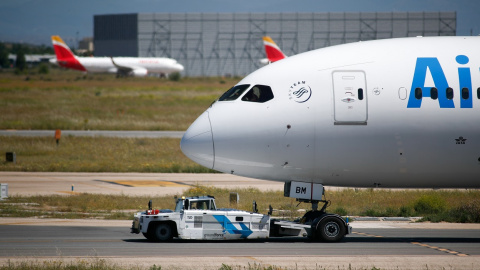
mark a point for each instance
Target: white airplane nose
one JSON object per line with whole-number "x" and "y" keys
{"x": 197, "y": 142}
{"x": 179, "y": 67}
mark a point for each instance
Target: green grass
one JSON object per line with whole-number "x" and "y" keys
{"x": 69, "y": 100}
{"x": 436, "y": 205}
{"x": 79, "y": 264}
{"x": 96, "y": 154}
{"x": 101, "y": 264}
{"x": 460, "y": 206}
{"x": 66, "y": 99}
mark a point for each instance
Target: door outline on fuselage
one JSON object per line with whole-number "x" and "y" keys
{"x": 350, "y": 97}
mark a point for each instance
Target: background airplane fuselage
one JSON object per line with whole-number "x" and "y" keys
{"x": 153, "y": 65}
{"x": 123, "y": 66}
{"x": 348, "y": 116}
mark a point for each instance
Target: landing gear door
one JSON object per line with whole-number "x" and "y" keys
{"x": 350, "y": 98}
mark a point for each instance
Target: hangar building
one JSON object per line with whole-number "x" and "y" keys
{"x": 220, "y": 44}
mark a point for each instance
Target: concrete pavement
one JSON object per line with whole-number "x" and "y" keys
{"x": 47, "y": 183}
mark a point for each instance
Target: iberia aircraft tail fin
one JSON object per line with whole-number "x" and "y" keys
{"x": 65, "y": 56}
{"x": 273, "y": 51}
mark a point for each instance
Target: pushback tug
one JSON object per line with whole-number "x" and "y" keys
{"x": 199, "y": 218}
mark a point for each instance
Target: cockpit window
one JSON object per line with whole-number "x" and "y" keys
{"x": 259, "y": 93}
{"x": 234, "y": 92}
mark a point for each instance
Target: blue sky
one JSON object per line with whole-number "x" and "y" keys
{"x": 34, "y": 21}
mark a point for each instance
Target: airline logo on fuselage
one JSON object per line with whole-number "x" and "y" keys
{"x": 460, "y": 140}
{"x": 440, "y": 83}
{"x": 300, "y": 92}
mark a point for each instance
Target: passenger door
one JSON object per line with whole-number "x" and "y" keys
{"x": 350, "y": 98}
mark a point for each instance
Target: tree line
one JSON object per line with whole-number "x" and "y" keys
{"x": 20, "y": 50}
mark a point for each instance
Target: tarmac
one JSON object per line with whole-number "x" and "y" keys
{"x": 296, "y": 260}
{"x": 25, "y": 184}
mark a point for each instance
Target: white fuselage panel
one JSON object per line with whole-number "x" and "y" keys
{"x": 351, "y": 115}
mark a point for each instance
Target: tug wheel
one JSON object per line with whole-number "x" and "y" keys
{"x": 148, "y": 236}
{"x": 162, "y": 232}
{"x": 330, "y": 229}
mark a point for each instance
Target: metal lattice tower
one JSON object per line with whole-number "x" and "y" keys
{"x": 230, "y": 44}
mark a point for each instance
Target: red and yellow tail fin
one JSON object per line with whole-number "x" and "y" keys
{"x": 273, "y": 51}
{"x": 65, "y": 56}
{"x": 62, "y": 50}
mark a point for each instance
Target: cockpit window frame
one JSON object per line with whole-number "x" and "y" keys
{"x": 234, "y": 93}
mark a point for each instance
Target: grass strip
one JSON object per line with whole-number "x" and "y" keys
{"x": 102, "y": 264}
{"x": 97, "y": 154}
{"x": 434, "y": 205}
{"x": 69, "y": 101}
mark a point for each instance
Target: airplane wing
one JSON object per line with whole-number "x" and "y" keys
{"x": 129, "y": 70}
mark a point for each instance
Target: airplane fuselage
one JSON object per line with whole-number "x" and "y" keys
{"x": 153, "y": 65}
{"x": 123, "y": 66}
{"x": 397, "y": 113}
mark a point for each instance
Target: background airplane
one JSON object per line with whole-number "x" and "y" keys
{"x": 394, "y": 113}
{"x": 272, "y": 50}
{"x": 122, "y": 66}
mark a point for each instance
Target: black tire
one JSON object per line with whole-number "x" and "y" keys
{"x": 331, "y": 229}
{"x": 162, "y": 232}
{"x": 148, "y": 236}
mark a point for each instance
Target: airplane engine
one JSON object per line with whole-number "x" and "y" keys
{"x": 139, "y": 72}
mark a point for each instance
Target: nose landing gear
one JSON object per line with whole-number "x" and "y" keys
{"x": 323, "y": 226}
